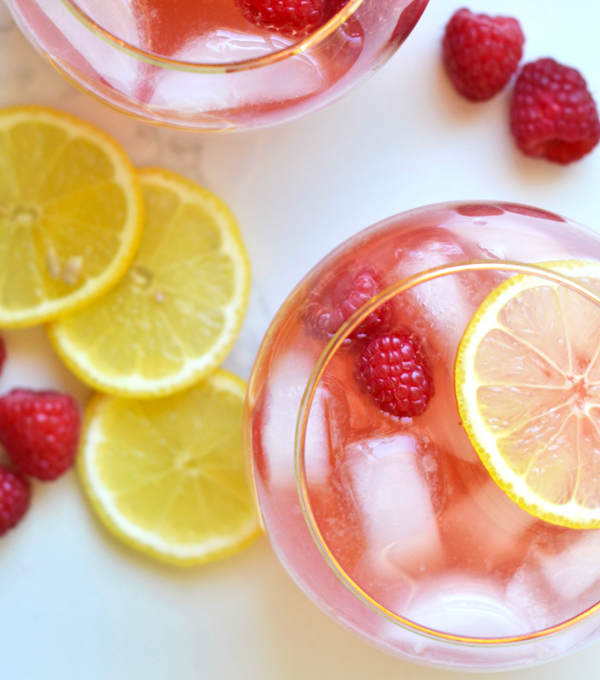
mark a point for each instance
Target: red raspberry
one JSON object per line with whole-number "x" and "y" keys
{"x": 288, "y": 17}
{"x": 481, "y": 53}
{"x": 15, "y": 492}
{"x": 327, "y": 310}
{"x": 40, "y": 431}
{"x": 552, "y": 114}
{"x": 395, "y": 371}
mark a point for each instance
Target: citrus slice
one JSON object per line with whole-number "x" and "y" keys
{"x": 166, "y": 475}
{"x": 527, "y": 383}
{"x": 175, "y": 315}
{"x": 70, "y": 214}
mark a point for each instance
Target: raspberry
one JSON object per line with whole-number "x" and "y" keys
{"x": 552, "y": 113}
{"x": 396, "y": 374}
{"x": 15, "y": 492}
{"x": 288, "y": 17}
{"x": 481, "y": 53}
{"x": 40, "y": 431}
{"x": 328, "y": 310}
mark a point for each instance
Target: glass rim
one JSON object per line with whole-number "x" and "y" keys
{"x": 321, "y": 364}
{"x": 303, "y": 45}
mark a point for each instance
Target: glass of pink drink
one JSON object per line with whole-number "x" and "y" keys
{"x": 205, "y": 66}
{"x": 392, "y": 525}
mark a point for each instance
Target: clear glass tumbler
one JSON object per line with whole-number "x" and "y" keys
{"x": 391, "y": 523}
{"x": 173, "y": 63}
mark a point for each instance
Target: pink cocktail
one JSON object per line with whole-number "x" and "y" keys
{"x": 206, "y": 66}
{"x": 393, "y": 525}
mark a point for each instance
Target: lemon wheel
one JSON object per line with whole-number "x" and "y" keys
{"x": 166, "y": 475}
{"x": 71, "y": 214}
{"x": 528, "y": 389}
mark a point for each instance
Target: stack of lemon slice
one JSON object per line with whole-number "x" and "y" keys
{"x": 143, "y": 280}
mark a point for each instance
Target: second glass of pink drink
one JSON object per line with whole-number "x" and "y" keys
{"x": 393, "y": 525}
{"x": 208, "y": 66}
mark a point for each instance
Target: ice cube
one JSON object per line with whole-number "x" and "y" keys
{"x": 389, "y": 490}
{"x": 298, "y": 76}
{"x": 325, "y": 429}
{"x": 442, "y": 308}
{"x": 529, "y": 591}
{"x": 576, "y": 569}
{"x": 485, "y": 531}
{"x": 463, "y": 604}
{"x": 555, "y": 584}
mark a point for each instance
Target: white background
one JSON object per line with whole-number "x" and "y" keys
{"x": 74, "y": 603}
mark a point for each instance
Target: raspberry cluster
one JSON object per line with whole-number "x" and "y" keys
{"x": 552, "y": 113}
{"x": 39, "y": 430}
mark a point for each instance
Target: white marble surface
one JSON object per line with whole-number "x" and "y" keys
{"x": 75, "y": 604}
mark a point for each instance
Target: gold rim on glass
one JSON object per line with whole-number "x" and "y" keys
{"x": 301, "y": 425}
{"x": 228, "y": 67}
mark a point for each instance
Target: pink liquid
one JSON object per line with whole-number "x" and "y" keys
{"x": 214, "y": 34}
{"x": 166, "y": 27}
{"x": 404, "y": 505}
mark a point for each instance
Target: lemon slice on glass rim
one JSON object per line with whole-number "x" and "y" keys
{"x": 166, "y": 475}
{"x": 71, "y": 214}
{"x": 527, "y": 380}
{"x": 174, "y": 316}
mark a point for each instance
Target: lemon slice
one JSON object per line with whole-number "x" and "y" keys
{"x": 167, "y": 475}
{"x": 70, "y": 214}
{"x": 527, "y": 382}
{"x": 175, "y": 315}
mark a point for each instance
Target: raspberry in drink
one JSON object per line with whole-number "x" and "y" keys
{"x": 386, "y": 511}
